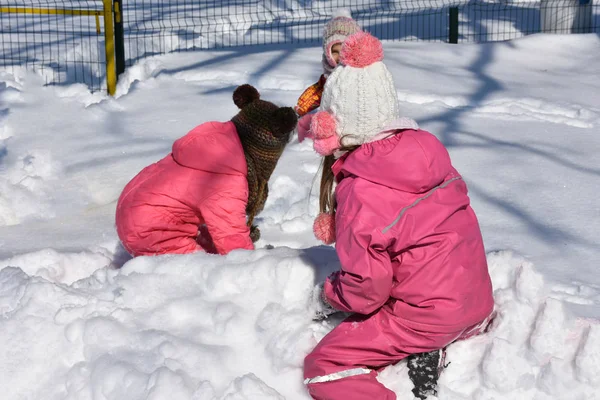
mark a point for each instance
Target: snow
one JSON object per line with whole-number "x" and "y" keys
{"x": 81, "y": 320}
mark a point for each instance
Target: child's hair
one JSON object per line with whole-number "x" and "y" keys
{"x": 327, "y": 202}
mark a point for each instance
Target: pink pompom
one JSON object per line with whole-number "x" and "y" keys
{"x": 323, "y": 128}
{"x": 324, "y": 228}
{"x": 323, "y": 125}
{"x": 361, "y": 50}
{"x": 327, "y": 146}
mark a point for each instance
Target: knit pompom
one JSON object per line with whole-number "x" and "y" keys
{"x": 283, "y": 121}
{"x": 323, "y": 125}
{"x": 361, "y": 50}
{"x": 327, "y": 146}
{"x": 244, "y": 95}
{"x": 324, "y": 228}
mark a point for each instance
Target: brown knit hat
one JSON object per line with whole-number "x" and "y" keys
{"x": 264, "y": 130}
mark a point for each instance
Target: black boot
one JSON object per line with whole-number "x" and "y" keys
{"x": 424, "y": 369}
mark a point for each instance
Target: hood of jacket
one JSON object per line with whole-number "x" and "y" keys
{"x": 212, "y": 147}
{"x": 413, "y": 161}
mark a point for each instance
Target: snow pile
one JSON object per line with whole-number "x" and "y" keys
{"x": 58, "y": 267}
{"x": 186, "y": 326}
{"x": 238, "y": 327}
{"x": 538, "y": 350}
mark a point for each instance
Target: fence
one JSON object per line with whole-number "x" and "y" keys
{"x": 68, "y": 41}
{"x": 65, "y": 42}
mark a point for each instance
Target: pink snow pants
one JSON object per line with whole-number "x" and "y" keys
{"x": 344, "y": 364}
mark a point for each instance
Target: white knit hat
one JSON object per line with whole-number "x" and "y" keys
{"x": 360, "y": 93}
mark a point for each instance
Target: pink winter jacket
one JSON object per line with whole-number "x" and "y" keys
{"x": 407, "y": 238}
{"x": 203, "y": 181}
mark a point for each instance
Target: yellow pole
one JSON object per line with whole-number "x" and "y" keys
{"x": 53, "y": 11}
{"x": 45, "y": 11}
{"x": 109, "y": 44}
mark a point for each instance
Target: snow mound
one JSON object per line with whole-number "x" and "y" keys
{"x": 238, "y": 327}
{"x": 59, "y": 267}
{"x": 186, "y": 326}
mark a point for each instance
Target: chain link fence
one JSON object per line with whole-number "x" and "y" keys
{"x": 67, "y": 47}
{"x": 62, "y": 41}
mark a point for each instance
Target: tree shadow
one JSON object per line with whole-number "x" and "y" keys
{"x": 97, "y": 161}
{"x": 238, "y": 53}
{"x": 487, "y": 85}
{"x": 489, "y": 142}
{"x": 450, "y": 120}
{"x": 115, "y": 129}
{"x": 540, "y": 228}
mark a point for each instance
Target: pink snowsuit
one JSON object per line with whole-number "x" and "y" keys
{"x": 203, "y": 181}
{"x": 413, "y": 265}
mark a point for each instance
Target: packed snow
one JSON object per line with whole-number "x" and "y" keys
{"x": 81, "y": 320}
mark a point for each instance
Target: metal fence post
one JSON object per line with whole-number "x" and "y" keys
{"x": 109, "y": 45}
{"x": 453, "y": 25}
{"x": 119, "y": 37}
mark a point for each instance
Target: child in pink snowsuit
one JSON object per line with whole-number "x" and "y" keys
{"x": 413, "y": 266}
{"x": 205, "y": 194}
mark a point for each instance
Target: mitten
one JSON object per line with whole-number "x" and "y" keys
{"x": 322, "y": 308}
{"x": 304, "y": 127}
{"x": 254, "y": 233}
{"x": 205, "y": 240}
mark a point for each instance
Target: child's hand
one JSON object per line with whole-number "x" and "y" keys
{"x": 322, "y": 308}
{"x": 304, "y": 128}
